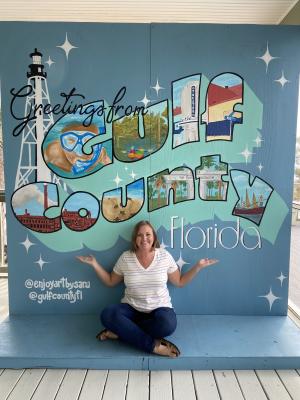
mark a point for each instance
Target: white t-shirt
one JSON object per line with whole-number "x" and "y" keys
{"x": 146, "y": 289}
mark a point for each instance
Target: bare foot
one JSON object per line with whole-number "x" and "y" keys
{"x": 165, "y": 348}
{"x": 106, "y": 334}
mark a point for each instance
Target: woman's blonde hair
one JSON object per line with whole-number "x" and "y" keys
{"x": 135, "y": 231}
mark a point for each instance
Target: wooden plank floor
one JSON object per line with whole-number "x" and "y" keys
{"x": 78, "y": 384}
{"x": 81, "y": 384}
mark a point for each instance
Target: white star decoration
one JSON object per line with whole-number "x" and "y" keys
{"x": 145, "y": 101}
{"x": 246, "y": 153}
{"x": 49, "y": 62}
{"x": 133, "y": 175}
{"x": 157, "y": 87}
{"x": 267, "y": 58}
{"x": 162, "y": 244}
{"x": 281, "y": 278}
{"x": 27, "y": 243}
{"x": 258, "y": 141}
{"x": 282, "y": 80}
{"x": 117, "y": 180}
{"x": 271, "y": 298}
{"x": 41, "y": 262}
{"x": 57, "y": 180}
{"x": 67, "y": 46}
{"x": 180, "y": 262}
{"x": 260, "y": 167}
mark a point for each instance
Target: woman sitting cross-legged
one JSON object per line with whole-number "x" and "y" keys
{"x": 145, "y": 315}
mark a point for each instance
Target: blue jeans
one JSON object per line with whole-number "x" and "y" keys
{"x": 137, "y": 328}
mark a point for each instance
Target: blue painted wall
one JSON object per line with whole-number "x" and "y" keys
{"x": 252, "y": 275}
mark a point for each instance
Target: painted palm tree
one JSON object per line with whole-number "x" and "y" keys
{"x": 217, "y": 187}
{"x": 160, "y": 183}
{"x": 220, "y": 188}
{"x": 221, "y": 167}
{"x": 209, "y": 162}
{"x": 209, "y": 186}
{"x": 150, "y": 194}
{"x": 174, "y": 186}
{"x": 183, "y": 185}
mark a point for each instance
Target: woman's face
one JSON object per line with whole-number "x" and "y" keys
{"x": 72, "y": 143}
{"x": 144, "y": 238}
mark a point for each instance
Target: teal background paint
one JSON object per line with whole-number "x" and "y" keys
{"x": 109, "y": 56}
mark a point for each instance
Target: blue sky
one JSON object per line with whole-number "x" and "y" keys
{"x": 134, "y": 190}
{"x": 227, "y": 80}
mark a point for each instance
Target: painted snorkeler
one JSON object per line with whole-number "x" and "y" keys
{"x": 67, "y": 153}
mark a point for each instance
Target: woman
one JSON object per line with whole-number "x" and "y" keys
{"x": 145, "y": 315}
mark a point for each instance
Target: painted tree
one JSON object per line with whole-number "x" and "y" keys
{"x": 184, "y": 186}
{"x": 150, "y": 194}
{"x": 210, "y": 186}
{"x": 221, "y": 167}
{"x": 208, "y": 162}
{"x": 174, "y": 185}
{"x": 159, "y": 183}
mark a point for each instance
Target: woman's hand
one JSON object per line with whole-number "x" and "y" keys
{"x": 180, "y": 280}
{"x": 205, "y": 262}
{"x": 91, "y": 260}
{"x": 108, "y": 278}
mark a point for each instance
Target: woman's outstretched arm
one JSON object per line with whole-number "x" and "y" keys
{"x": 180, "y": 280}
{"x": 108, "y": 278}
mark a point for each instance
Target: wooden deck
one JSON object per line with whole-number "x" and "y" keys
{"x": 82, "y": 384}
{"x": 60, "y": 384}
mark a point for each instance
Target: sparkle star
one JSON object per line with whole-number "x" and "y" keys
{"x": 246, "y": 153}
{"x": 281, "y": 278}
{"x": 267, "y": 58}
{"x": 260, "y": 167}
{"x": 282, "y": 80}
{"x": 157, "y": 87}
{"x": 67, "y": 46}
{"x": 117, "y": 180}
{"x": 49, "y": 62}
{"x": 271, "y": 298}
{"x": 41, "y": 262}
{"x": 162, "y": 244}
{"x": 258, "y": 141}
{"x": 180, "y": 262}
{"x": 133, "y": 175}
{"x": 145, "y": 101}
{"x": 27, "y": 243}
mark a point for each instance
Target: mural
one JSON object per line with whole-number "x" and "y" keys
{"x": 129, "y": 146}
{"x": 65, "y": 146}
{"x": 224, "y": 92}
{"x": 112, "y": 204}
{"x": 253, "y": 197}
{"x": 210, "y": 176}
{"x": 185, "y": 97}
{"x": 180, "y": 181}
{"x": 30, "y": 202}
{"x": 98, "y": 138}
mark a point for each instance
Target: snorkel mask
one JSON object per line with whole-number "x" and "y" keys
{"x": 73, "y": 142}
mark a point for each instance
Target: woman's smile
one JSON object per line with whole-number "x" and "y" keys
{"x": 145, "y": 237}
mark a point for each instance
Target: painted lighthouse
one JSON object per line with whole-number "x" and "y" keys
{"x": 31, "y": 165}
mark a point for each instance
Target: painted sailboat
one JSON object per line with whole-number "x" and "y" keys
{"x": 250, "y": 207}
